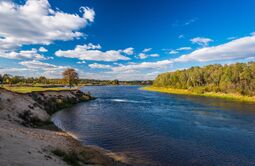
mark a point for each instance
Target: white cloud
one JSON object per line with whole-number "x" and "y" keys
{"x": 88, "y": 13}
{"x": 34, "y": 64}
{"x": 90, "y": 46}
{"x": 142, "y": 66}
{"x": 129, "y": 51}
{"x": 236, "y": 49}
{"x": 15, "y": 71}
{"x": 147, "y": 50}
{"x": 173, "y": 52}
{"x": 24, "y": 54}
{"x": 202, "y": 41}
{"x": 179, "y": 23}
{"x": 45, "y": 69}
{"x": 181, "y": 36}
{"x": 42, "y": 49}
{"x": 190, "y": 21}
{"x": 35, "y": 22}
{"x": 184, "y": 48}
{"x": 91, "y": 52}
{"x": 81, "y": 62}
{"x": 99, "y": 66}
{"x": 231, "y": 38}
{"x": 154, "y": 55}
{"x": 143, "y": 56}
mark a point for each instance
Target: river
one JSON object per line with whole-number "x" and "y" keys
{"x": 152, "y": 128}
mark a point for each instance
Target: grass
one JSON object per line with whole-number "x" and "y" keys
{"x": 47, "y": 125}
{"x": 73, "y": 158}
{"x": 27, "y": 89}
{"x": 69, "y": 157}
{"x": 228, "y": 96}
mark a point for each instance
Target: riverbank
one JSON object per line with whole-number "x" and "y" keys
{"x": 234, "y": 97}
{"x": 28, "y": 137}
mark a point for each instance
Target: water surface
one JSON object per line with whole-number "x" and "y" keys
{"x": 154, "y": 128}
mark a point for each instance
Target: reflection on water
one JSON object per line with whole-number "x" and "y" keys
{"x": 161, "y": 129}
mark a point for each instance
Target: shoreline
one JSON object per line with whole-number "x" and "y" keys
{"x": 28, "y": 137}
{"x": 231, "y": 97}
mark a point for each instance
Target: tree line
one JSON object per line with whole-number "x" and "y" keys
{"x": 235, "y": 78}
{"x": 70, "y": 78}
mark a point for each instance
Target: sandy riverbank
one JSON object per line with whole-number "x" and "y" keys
{"x": 29, "y": 138}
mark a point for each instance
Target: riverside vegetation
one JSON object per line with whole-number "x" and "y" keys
{"x": 235, "y": 81}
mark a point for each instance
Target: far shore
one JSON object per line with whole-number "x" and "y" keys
{"x": 233, "y": 97}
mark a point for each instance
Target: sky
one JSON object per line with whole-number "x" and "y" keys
{"x": 125, "y": 40}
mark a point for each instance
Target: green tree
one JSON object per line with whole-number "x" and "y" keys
{"x": 7, "y": 79}
{"x": 71, "y": 77}
{"x": 42, "y": 80}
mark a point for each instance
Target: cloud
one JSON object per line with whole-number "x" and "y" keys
{"x": 147, "y": 50}
{"x": 42, "y": 49}
{"x": 24, "y": 54}
{"x": 34, "y": 64}
{"x": 190, "y": 21}
{"x": 202, "y": 41}
{"x": 173, "y": 52}
{"x": 92, "y": 52}
{"x": 183, "y": 48}
{"x": 35, "y": 22}
{"x": 181, "y": 36}
{"x": 81, "y": 62}
{"x": 45, "y": 69}
{"x": 88, "y": 13}
{"x": 184, "y": 23}
{"x": 99, "y": 66}
{"x": 15, "y": 71}
{"x": 129, "y": 51}
{"x": 144, "y": 55}
{"x": 231, "y": 38}
{"x": 142, "y": 66}
{"x": 154, "y": 55}
{"x": 236, "y": 49}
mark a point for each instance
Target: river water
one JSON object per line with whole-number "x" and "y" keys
{"x": 152, "y": 128}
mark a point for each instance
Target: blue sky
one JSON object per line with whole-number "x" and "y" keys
{"x": 126, "y": 40}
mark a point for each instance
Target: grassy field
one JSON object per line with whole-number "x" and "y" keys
{"x": 235, "y": 97}
{"x": 25, "y": 89}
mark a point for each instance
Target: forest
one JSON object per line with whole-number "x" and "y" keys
{"x": 234, "y": 78}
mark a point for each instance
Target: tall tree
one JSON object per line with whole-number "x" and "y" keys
{"x": 71, "y": 77}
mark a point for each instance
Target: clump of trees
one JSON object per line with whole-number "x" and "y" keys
{"x": 234, "y": 78}
{"x": 21, "y": 80}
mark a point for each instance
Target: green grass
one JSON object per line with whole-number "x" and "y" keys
{"x": 73, "y": 158}
{"x": 69, "y": 157}
{"x": 27, "y": 89}
{"x": 228, "y": 96}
